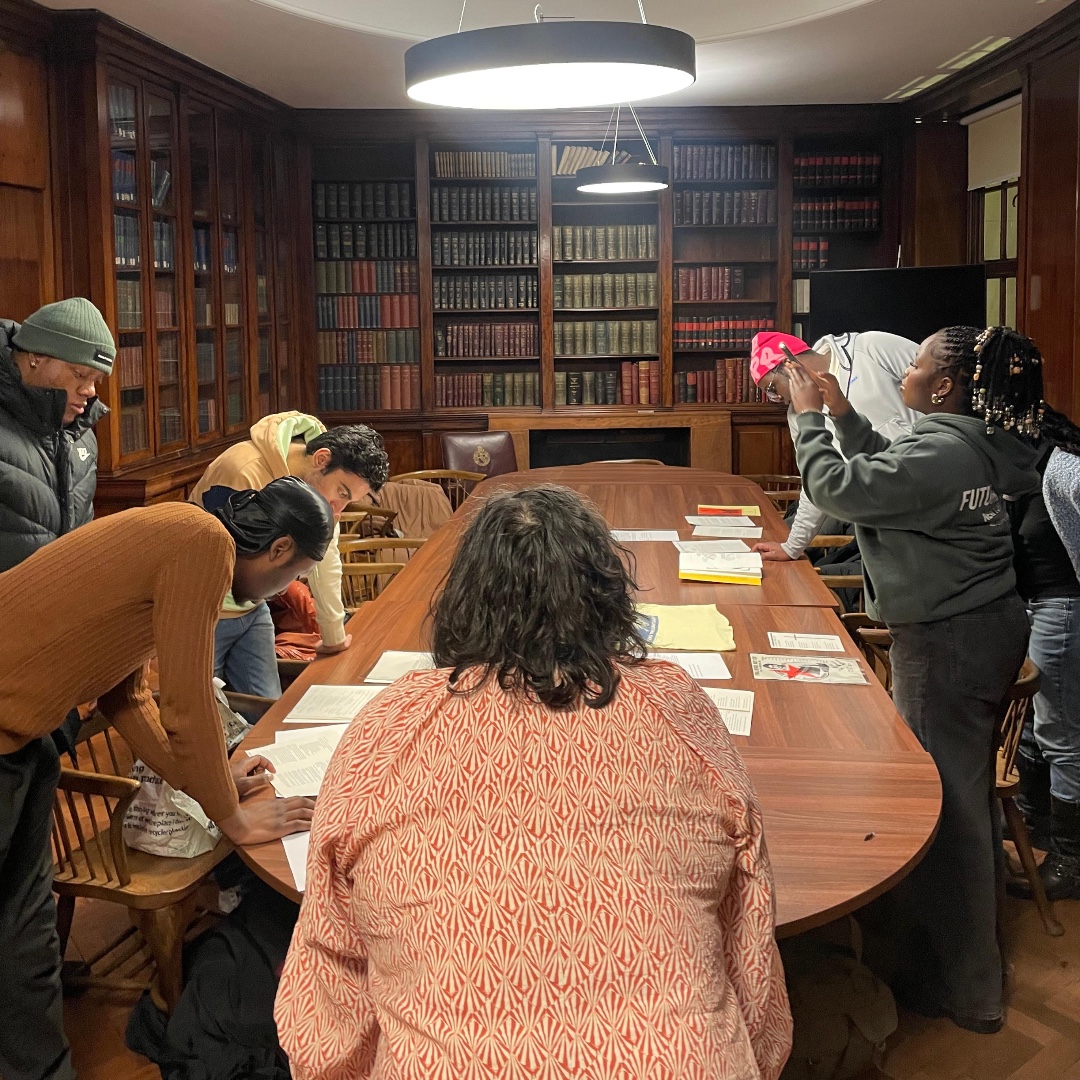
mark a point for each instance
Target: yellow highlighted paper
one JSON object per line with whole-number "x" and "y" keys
{"x": 711, "y": 510}
{"x": 692, "y": 627}
{"x": 718, "y": 579}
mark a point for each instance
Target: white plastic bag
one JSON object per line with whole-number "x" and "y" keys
{"x": 164, "y": 821}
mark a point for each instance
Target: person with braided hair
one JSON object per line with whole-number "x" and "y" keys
{"x": 937, "y": 550}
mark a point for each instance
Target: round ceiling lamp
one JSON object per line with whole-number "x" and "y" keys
{"x": 623, "y": 178}
{"x": 550, "y": 65}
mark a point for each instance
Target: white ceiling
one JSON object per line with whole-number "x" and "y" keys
{"x": 348, "y": 53}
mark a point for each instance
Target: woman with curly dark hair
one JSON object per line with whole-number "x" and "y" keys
{"x": 542, "y": 855}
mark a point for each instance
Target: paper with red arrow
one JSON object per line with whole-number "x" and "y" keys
{"x": 817, "y": 669}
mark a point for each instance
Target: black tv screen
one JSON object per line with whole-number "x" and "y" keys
{"x": 912, "y": 301}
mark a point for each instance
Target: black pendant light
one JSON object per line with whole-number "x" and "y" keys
{"x": 550, "y": 65}
{"x": 627, "y": 178}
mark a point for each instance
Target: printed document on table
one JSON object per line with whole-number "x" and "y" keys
{"x": 733, "y": 532}
{"x": 629, "y": 536}
{"x": 691, "y": 547}
{"x": 392, "y": 665}
{"x": 296, "y": 851}
{"x": 301, "y": 733}
{"x": 701, "y": 665}
{"x": 819, "y": 669}
{"x": 331, "y": 704}
{"x": 809, "y": 642}
{"x": 740, "y": 522}
{"x": 301, "y": 763}
{"x": 736, "y": 708}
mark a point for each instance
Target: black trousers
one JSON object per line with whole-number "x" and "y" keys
{"x": 949, "y": 679}
{"x": 32, "y": 1041}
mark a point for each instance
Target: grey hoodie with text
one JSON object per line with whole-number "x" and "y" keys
{"x": 928, "y": 512}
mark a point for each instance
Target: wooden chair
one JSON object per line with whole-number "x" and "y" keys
{"x": 457, "y": 484}
{"x": 361, "y": 520}
{"x": 782, "y": 489}
{"x": 1014, "y": 713}
{"x": 835, "y": 582}
{"x": 363, "y": 581}
{"x": 830, "y": 540}
{"x": 874, "y": 639}
{"x": 92, "y": 860}
{"x": 379, "y": 549}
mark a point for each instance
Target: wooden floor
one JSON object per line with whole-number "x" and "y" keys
{"x": 1041, "y": 1039}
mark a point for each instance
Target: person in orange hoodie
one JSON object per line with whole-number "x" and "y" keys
{"x": 344, "y": 465}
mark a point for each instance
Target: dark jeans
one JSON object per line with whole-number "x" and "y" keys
{"x": 949, "y": 679}
{"x": 32, "y": 1041}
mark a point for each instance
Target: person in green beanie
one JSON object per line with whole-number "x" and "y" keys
{"x": 49, "y": 367}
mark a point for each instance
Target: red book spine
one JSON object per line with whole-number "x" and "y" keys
{"x": 654, "y": 382}
{"x": 414, "y": 385}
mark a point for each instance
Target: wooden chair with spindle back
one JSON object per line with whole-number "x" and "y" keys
{"x": 782, "y": 489}
{"x": 364, "y": 581}
{"x": 361, "y": 520}
{"x": 92, "y": 860}
{"x": 874, "y": 639}
{"x": 457, "y": 484}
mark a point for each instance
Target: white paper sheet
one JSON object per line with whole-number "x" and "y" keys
{"x": 331, "y": 704}
{"x": 731, "y": 531}
{"x": 299, "y": 733}
{"x": 296, "y": 851}
{"x": 816, "y": 669}
{"x": 712, "y": 519}
{"x": 809, "y": 642}
{"x": 736, "y": 708}
{"x": 700, "y": 546}
{"x": 392, "y": 665}
{"x": 629, "y": 536}
{"x": 301, "y": 763}
{"x": 701, "y": 665}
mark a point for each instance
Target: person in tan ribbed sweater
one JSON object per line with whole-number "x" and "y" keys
{"x": 150, "y": 581}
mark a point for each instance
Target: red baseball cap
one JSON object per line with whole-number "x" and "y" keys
{"x": 766, "y": 354}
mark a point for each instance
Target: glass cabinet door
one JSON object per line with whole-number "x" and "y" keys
{"x": 204, "y": 274}
{"x": 232, "y": 276}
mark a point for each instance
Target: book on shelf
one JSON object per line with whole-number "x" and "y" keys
{"x": 810, "y": 253}
{"x": 205, "y": 362}
{"x": 725, "y": 161}
{"x": 164, "y": 245}
{"x": 133, "y": 436}
{"x": 160, "y": 182}
{"x": 637, "y": 382}
{"x": 202, "y": 304}
{"x": 168, "y": 360}
{"x": 129, "y": 364}
{"x": 201, "y": 249}
{"x": 121, "y": 105}
{"x": 207, "y": 415}
{"x": 490, "y": 340}
{"x": 619, "y": 337}
{"x": 604, "y": 290}
{"x": 342, "y": 240}
{"x": 717, "y": 332}
{"x": 170, "y": 424}
{"x": 394, "y": 310}
{"x": 485, "y": 247}
{"x": 450, "y": 203}
{"x": 833, "y": 213}
{"x": 800, "y": 298}
{"x": 341, "y": 276}
{"x": 123, "y": 176}
{"x": 727, "y": 381}
{"x": 126, "y": 245}
{"x": 566, "y": 160}
{"x": 710, "y": 283}
{"x": 484, "y": 292}
{"x": 369, "y": 387}
{"x": 230, "y": 251}
{"x": 484, "y": 165}
{"x": 855, "y": 169}
{"x": 487, "y": 389}
{"x": 367, "y": 346}
{"x": 604, "y": 243}
{"x": 129, "y": 314}
{"x": 164, "y": 305}
{"x": 754, "y": 206}
{"x": 371, "y": 200}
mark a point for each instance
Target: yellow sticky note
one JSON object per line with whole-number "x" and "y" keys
{"x": 728, "y": 511}
{"x": 693, "y": 627}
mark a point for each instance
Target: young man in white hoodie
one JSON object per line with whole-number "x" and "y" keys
{"x": 869, "y": 368}
{"x": 343, "y": 465}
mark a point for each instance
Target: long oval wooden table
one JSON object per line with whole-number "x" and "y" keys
{"x": 850, "y": 799}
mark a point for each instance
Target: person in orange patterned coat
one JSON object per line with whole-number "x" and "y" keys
{"x": 543, "y": 858}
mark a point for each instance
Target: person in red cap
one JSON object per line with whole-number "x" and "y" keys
{"x": 869, "y": 368}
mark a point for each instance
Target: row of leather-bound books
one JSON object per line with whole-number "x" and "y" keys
{"x": 367, "y": 276}
{"x": 485, "y": 247}
{"x": 488, "y": 340}
{"x": 396, "y": 310}
{"x": 755, "y": 206}
{"x": 621, "y": 337}
{"x": 635, "y": 383}
{"x": 710, "y": 283}
{"x": 370, "y": 200}
{"x": 482, "y": 203}
{"x": 604, "y": 290}
{"x": 367, "y": 347}
{"x": 612, "y": 243}
{"x": 726, "y": 382}
{"x": 345, "y": 241}
{"x": 725, "y": 161}
{"x": 837, "y": 213}
{"x": 369, "y": 387}
{"x": 484, "y": 292}
{"x": 487, "y": 389}
{"x": 717, "y": 332}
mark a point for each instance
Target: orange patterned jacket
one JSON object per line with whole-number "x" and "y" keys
{"x": 497, "y": 889}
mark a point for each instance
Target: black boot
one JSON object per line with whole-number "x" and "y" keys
{"x": 1033, "y": 799}
{"x": 1060, "y": 870}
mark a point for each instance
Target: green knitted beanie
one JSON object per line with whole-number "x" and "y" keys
{"x": 71, "y": 330}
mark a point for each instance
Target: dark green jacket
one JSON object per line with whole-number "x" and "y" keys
{"x": 927, "y": 509}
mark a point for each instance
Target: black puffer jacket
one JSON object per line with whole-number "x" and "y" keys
{"x": 48, "y": 472}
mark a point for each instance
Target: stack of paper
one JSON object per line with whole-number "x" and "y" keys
{"x": 301, "y": 760}
{"x": 711, "y": 510}
{"x": 809, "y": 642}
{"x": 685, "y": 626}
{"x": 731, "y": 568}
{"x": 736, "y": 708}
{"x": 331, "y": 704}
{"x": 710, "y": 545}
{"x": 628, "y": 536}
{"x": 701, "y": 665}
{"x": 738, "y": 521}
{"x": 392, "y": 665}
{"x": 740, "y": 532}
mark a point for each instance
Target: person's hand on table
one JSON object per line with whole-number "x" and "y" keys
{"x": 250, "y": 773}
{"x": 323, "y": 649}
{"x": 771, "y": 551}
{"x": 268, "y": 819}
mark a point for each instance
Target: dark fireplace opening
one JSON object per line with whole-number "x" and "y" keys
{"x": 550, "y": 448}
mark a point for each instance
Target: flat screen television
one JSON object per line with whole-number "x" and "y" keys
{"x": 912, "y": 301}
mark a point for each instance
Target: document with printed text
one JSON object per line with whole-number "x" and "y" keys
{"x": 331, "y": 704}
{"x": 701, "y": 665}
{"x": 736, "y": 708}
{"x": 809, "y": 642}
{"x": 392, "y": 665}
